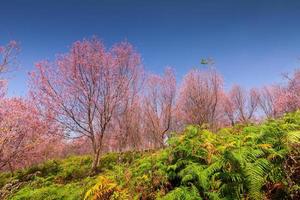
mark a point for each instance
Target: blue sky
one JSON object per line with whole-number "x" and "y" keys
{"x": 251, "y": 41}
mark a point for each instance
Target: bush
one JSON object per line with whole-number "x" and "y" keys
{"x": 108, "y": 161}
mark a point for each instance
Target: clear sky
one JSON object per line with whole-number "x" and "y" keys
{"x": 251, "y": 41}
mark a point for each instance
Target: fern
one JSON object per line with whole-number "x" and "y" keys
{"x": 183, "y": 193}
{"x": 105, "y": 189}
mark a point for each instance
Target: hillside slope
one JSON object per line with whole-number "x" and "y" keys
{"x": 243, "y": 162}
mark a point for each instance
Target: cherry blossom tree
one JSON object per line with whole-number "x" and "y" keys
{"x": 128, "y": 126}
{"x": 159, "y": 102}
{"x": 126, "y": 131}
{"x": 85, "y": 88}
{"x": 12, "y": 136}
{"x": 288, "y": 99}
{"x": 229, "y": 109}
{"x": 268, "y": 96}
{"x": 199, "y": 98}
{"x": 80, "y": 146}
{"x": 8, "y": 55}
{"x": 24, "y": 137}
{"x": 240, "y": 105}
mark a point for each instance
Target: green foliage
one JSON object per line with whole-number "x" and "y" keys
{"x": 183, "y": 193}
{"x": 50, "y": 191}
{"x": 54, "y": 179}
{"x": 242, "y": 162}
{"x": 105, "y": 189}
{"x": 149, "y": 177}
{"x": 74, "y": 169}
{"x": 108, "y": 161}
{"x": 237, "y": 163}
{"x": 5, "y": 177}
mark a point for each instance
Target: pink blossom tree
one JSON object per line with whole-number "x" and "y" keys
{"x": 158, "y": 105}
{"x": 127, "y": 127}
{"x": 126, "y": 133}
{"x": 268, "y": 97}
{"x": 8, "y": 55}
{"x": 229, "y": 109}
{"x": 200, "y": 97}
{"x": 288, "y": 99}
{"x": 80, "y": 146}
{"x": 241, "y": 105}
{"x": 85, "y": 88}
{"x": 24, "y": 137}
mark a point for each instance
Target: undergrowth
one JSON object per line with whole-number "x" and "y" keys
{"x": 242, "y": 162}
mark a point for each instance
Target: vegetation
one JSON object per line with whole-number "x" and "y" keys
{"x": 240, "y": 162}
{"x": 93, "y": 100}
{"x": 94, "y": 124}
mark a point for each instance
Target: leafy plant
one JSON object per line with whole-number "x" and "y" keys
{"x": 105, "y": 189}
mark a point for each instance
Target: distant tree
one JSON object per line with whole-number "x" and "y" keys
{"x": 85, "y": 88}
{"x": 288, "y": 99}
{"x": 159, "y": 103}
{"x": 230, "y": 110}
{"x": 127, "y": 127}
{"x": 267, "y": 100}
{"x": 80, "y": 146}
{"x": 199, "y": 98}
{"x": 8, "y": 55}
{"x": 240, "y": 105}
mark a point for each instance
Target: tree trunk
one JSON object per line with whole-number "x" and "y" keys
{"x": 162, "y": 142}
{"x": 96, "y": 159}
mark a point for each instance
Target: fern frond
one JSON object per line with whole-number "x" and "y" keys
{"x": 105, "y": 189}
